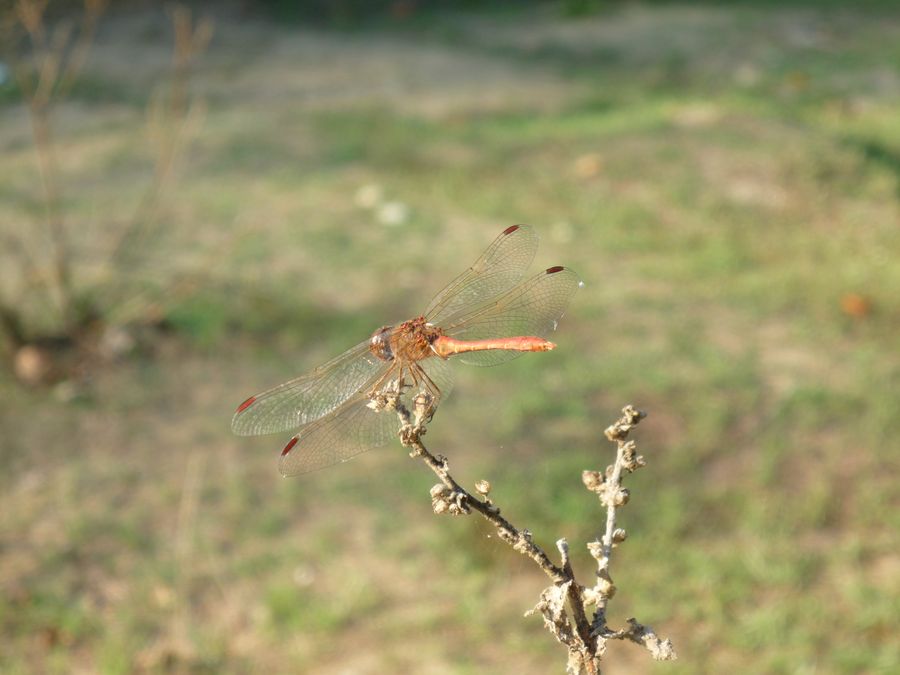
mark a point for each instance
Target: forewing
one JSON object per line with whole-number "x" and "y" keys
{"x": 498, "y": 269}
{"x": 533, "y": 308}
{"x": 309, "y": 397}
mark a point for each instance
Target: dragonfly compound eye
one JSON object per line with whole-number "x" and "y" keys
{"x": 380, "y": 344}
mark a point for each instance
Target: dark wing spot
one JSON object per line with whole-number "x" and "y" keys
{"x": 246, "y": 404}
{"x": 554, "y": 270}
{"x": 291, "y": 444}
{"x": 511, "y": 229}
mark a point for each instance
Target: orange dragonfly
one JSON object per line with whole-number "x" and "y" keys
{"x": 486, "y": 316}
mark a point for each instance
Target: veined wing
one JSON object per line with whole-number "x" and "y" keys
{"x": 309, "y": 397}
{"x": 533, "y": 308}
{"x": 498, "y": 269}
{"x": 356, "y": 427}
{"x": 342, "y": 434}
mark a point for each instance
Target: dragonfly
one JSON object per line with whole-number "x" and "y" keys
{"x": 486, "y": 316}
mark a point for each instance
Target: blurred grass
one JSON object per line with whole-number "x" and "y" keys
{"x": 722, "y": 177}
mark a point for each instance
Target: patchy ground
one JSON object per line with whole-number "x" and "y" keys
{"x": 725, "y": 180}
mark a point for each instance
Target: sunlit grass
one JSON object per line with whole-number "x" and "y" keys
{"x": 718, "y": 222}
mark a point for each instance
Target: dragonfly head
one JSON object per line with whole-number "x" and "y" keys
{"x": 380, "y": 343}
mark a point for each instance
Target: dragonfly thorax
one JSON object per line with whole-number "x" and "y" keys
{"x": 408, "y": 341}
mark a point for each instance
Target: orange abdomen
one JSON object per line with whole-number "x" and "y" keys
{"x": 446, "y": 346}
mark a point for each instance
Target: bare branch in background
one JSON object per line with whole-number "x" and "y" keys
{"x": 57, "y": 58}
{"x": 93, "y": 10}
{"x": 171, "y": 119}
{"x": 565, "y": 604}
{"x": 38, "y": 78}
{"x": 47, "y": 61}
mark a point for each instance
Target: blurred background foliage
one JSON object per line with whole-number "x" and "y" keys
{"x": 286, "y": 177}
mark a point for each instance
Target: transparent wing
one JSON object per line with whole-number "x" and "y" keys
{"x": 534, "y": 307}
{"x": 355, "y": 427}
{"x": 309, "y": 397}
{"x": 342, "y": 434}
{"x": 498, "y": 269}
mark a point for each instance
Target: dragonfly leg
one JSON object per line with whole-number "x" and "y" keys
{"x": 431, "y": 388}
{"x": 401, "y": 378}
{"x": 381, "y": 380}
{"x": 430, "y": 385}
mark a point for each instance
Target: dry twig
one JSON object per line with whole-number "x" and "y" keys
{"x": 564, "y": 605}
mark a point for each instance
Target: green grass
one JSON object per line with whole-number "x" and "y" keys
{"x": 744, "y": 179}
